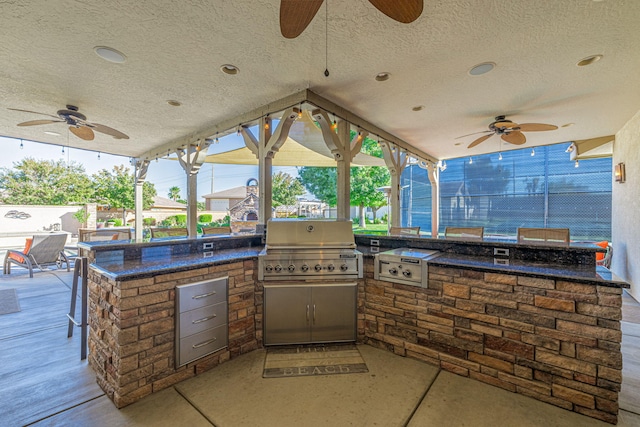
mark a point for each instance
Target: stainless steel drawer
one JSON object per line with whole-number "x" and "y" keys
{"x": 195, "y": 346}
{"x": 194, "y": 321}
{"x": 201, "y": 294}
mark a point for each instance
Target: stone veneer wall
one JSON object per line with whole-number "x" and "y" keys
{"x": 553, "y": 340}
{"x": 132, "y": 329}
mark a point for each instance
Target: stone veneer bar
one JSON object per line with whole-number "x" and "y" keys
{"x": 132, "y": 328}
{"x": 554, "y": 340}
{"x": 543, "y": 330}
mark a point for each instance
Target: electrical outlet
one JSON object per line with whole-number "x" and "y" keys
{"x": 206, "y": 246}
{"x": 501, "y": 251}
{"x": 375, "y": 242}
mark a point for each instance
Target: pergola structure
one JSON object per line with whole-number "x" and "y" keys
{"x": 335, "y": 127}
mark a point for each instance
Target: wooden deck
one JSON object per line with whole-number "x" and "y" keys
{"x": 42, "y": 376}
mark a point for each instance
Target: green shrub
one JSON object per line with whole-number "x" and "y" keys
{"x": 168, "y": 222}
{"x": 205, "y": 218}
{"x": 181, "y": 220}
{"x": 117, "y": 222}
{"x": 149, "y": 222}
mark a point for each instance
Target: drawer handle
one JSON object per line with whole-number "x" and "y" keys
{"x": 202, "y": 344}
{"x": 204, "y": 319}
{"x": 203, "y": 295}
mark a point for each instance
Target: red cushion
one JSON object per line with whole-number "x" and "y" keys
{"x": 600, "y": 255}
{"x": 27, "y": 247}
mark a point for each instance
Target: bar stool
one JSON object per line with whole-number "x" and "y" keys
{"x": 80, "y": 272}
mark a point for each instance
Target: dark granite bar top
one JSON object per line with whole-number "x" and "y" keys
{"x": 595, "y": 275}
{"x": 162, "y": 263}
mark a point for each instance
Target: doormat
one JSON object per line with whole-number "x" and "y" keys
{"x": 9, "y": 301}
{"x": 313, "y": 359}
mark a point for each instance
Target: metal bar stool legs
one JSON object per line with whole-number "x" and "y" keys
{"x": 80, "y": 271}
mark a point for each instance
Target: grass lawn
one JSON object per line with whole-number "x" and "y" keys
{"x": 371, "y": 229}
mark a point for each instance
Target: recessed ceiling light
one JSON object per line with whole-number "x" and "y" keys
{"x": 110, "y": 54}
{"x": 566, "y": 125}
{"x": 382, "y": 77}
{"x": 482, "y": 68}
{"x": 48, "y": 132}
{"x": 589, "y": 60}
{"x": 229, "y": 69}
{"x": 418, "y": 108}
{"x": 174, "y": 103}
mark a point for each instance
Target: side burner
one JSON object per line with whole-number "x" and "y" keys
{"x": 404, "y": 265}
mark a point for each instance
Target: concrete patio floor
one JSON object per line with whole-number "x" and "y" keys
{"x": 44, "y": 383}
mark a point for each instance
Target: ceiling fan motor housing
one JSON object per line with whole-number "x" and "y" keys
{"x": 71, "y": 115}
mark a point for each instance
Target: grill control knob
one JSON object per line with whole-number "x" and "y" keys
{"x": 331, "y": 267}
{"x": 269, "y": 268}
{"x": 344, "y": 267}
{"x": 406, "y": 273}
{"x": 278, "y": 268}
{"x": 318, "y": 267}
{"x": 304, "y": 268}
{"x": 291, "y": 268}
{"x": 391, "y": 270}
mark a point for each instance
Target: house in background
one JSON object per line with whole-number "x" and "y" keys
{"x": 240, "y": 203}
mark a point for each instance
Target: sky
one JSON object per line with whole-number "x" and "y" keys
{"x": 164, "y": 173}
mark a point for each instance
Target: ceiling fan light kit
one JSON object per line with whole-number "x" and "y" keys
{"x": 78, "y": 124}
{"x": 509, "y": 131}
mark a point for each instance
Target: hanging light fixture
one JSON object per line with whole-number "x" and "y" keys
{"x": 533, "y": 152}
{"x": 500, "y": 156}
{"x": 442, "y": 165}
{"x": 98, "y": 155}
{"x": 63, "y": 149}
{"x": 266, "y": 122}
{"x": 21, "y": 145}
{"x": 470, "y": 160}
{"x": 576, "y": 164}
{"x": 238, "y": 133}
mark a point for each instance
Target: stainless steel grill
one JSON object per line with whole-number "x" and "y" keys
{"x": 309, "y": 269}
{"x": 309, "y": 250}
{"x": 405, "y": 265}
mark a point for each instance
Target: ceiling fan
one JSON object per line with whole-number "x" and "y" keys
{"x": 78, "y": 124}
{"x": 509, "y": 131}
{"x": 296, "y": 15}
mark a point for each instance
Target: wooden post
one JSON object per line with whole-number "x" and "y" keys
{"x": 396, "y": 160}
{"x": 265, "y": 149}
{"x": 434, "y": 178}
{"x": 140, "y": 171}
{"x": 191, "y": 159}
{"x": 344, "y": 150}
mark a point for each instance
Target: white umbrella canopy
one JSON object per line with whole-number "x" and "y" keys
{"x": 305, "y": 146}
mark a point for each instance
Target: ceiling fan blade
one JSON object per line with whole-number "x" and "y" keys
{"x": 475, "y": 133}
{"x": 515, "y": 137}
{"x": 404, "y": 11}
{"x": 82, "y": 132}
{"x": 296, "y": 15}
{"x": 506, "y": 125}
{"x": 536, "y": 127}
{"x": 33, "y": 112}
{"x": 38, "y": 122}
{"x": 109, "y": 131}
{"x": 479, "y": 140}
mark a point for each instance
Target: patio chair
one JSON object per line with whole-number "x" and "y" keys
{"x": 206, "y": 231}
{"x": 464, "y": 233}
{"x": 42, "y": 251}
{"x": 168, "y": 232}
{"x": 604, "y": 259}
{"x": 101, "y": 234}
{"x": 404, "y": 231}
{"x": 549, "y": 236}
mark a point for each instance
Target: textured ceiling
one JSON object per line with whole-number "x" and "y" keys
{"x": 174, "y": 51}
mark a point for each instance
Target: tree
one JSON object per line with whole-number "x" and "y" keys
{"x": 321, "y": 182}
{"x": 174, "y": 193}
{"x": 286, "y": 189}
{"x": 45, "y": 182}
{"x": 364, "y": 182}
{"x": 117, "y": 189}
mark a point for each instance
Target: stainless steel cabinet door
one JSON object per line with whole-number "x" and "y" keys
{"x": 333, "y": 313}
{"x": 287, "y": 314}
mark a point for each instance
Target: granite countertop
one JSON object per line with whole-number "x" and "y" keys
{"x": 165, "y": 262}
{"x": 593, "y": 275}
{"x": 168, "y": 263}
